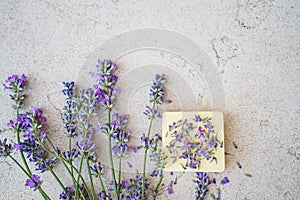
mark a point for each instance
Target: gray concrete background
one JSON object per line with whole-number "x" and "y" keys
{"x": 254, "y": 45}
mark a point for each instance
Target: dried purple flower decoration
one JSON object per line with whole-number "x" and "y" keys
{"x": 193, "y": 142}
{"x": 235, "y": 145}
{"x": 170, "y": 188}
{"x": 225, "y": 181}
{"x": 239, "y": 165}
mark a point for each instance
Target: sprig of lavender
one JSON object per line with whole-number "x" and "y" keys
{"x": 70, "y": 117}
{"x": 203, "y": 181}
{"x": 106, "y": 91}
{"x": 86, "y": 103}
{"x": 156, "y": 98}
{"x": 16, "y": 85}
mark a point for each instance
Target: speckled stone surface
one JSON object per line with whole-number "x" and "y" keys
{"x": 251, "y": 48}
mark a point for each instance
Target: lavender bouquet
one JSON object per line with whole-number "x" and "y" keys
{"x": 32, "y": 143}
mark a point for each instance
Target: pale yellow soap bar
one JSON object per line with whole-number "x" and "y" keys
{"x": 217, "y": 165}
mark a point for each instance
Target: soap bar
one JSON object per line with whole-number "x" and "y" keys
{"x": 193, "y": 141}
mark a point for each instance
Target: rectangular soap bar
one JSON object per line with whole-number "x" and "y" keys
{"x": 193, "y": 141}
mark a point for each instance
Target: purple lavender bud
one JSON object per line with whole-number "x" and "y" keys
{"x": 156, "y": 90}
{"x": 45, "y": 164}
{"x": 97, "y": 169}
{"x": 225, "y": 181}
{"x": 69, "y": 90}
{"x": 106, "y": 81}
{"x": 170, "y": 188}
{"x": 70, "y": 156}
{"x": 16, "y": 85}
{"x": 235, "y": 145}
{"x": 239, "y": 165}
{"x": 197, "y": 118}
{"x": 10, "y": 124}
{"x": 68, "y": 194}
{"x": 151, "y": 113}
{"x": 34, "y": 182}
{"x": 5, "y": 149}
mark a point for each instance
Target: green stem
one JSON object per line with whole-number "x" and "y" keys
{"x": 102, "y": 185}
{"x": 21, "y": 152}
{"x": 73, "y": 178}
{"x": 43, "y": 193}
{"x": 159, "y": 183}
{"x": 90, "y": 176}
{"x": 70, "y": 149}
{"x": 145, "y": 155}
{"x": 51, "y": 143}
{"x": 120, "y": 172}
{"x": 111, "y": 160}
{"x": 66, "y": 167}
{"x": 78, "y": 176}
{"x": 58, "y": 180}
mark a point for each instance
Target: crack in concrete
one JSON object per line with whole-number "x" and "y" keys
{"x": 224, "y": 50}
{"x": 4, "y": 130}
{"x": 5, "y": 162}
{"x": 252, "y": 13}
{"x": 212, "y": 42}
{"x": 48, "y": 98}
{"x": 293, "y": 152}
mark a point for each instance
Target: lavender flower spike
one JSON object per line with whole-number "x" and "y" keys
{"x": 105, "y": 89}
{"x": 156, "y": 90}
{"x": 5, "y": 149}
{"x": 16, "y": 85}
{"x": 34, "y": 183}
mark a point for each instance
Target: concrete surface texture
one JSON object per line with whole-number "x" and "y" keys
{"x": 251, "y": 48}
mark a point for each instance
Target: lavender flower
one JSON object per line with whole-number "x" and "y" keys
{"x": 46, "y": 164}
{"x": 70, "y": 156}
{"x": 156, "y": 90}
{"x": 170, "y": 188}
{"x": 120, "y": 150}
{"x": 151, "y": 113}
{"x": 16, "y": 84}
{"x": 239, "y": 165}
{"x": 132, "y": 189}
{"x": 70, "y": 110}
{"x": 69, "y": 90}
{"x": 5, "y": 149}
{"x": 34, "y": 183}
{"x": 105, "y": 89}
{"x": 68, "y": 194}
{"x": 145, "y": 141}
{"x": 202, "y": 181}
{"x": 97, "y": 169}
{"x": 225, "y": 181}
{"x": 104, "y": 196}
{"x": 86, "y": 103}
